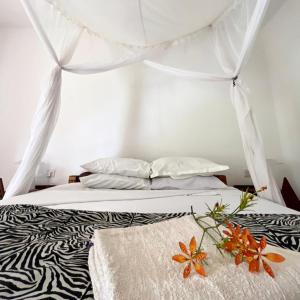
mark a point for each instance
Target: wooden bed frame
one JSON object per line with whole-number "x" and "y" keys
{"x": 1, "y": 189}
{"x": 75, "y": 178}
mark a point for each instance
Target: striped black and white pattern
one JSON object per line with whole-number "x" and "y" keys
{"x": 44, "y": 252}
{"x": 280, "y": 230}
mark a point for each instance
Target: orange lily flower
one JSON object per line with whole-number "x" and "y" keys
{"x": 243, "y": 246}
{"x": 255, "y": 255}
{"x": 236, "y": 241}
{"x": 192, "y": 256}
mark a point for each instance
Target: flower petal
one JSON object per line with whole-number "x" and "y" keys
{"x": 200, "y": 256}
{"x": 230, "y": 246}
{"x": 183, "y": 248}
{"x": 187, "y": 271}
{"x": 263, "y": 242}
{"x": 227, "y": 232}
{"x": 238, "y": 230}
{"x": 244, "y": 235}
{"x": 254, "y": 266}
{"x": 180, "y": 258}
{"x": 249, "y": 253}
{"x": 275, "y": 257}
{"x": 193, "y": 245}
{"x": 246, "y": 231}
{"x": 249, "y": 259}
{"x": 252, "y": 242}
{"x": 238, "y": 258}
{"x": 199, "y": 269}
{"x": 268, "y": 269}
{"x": 230, "y": 227}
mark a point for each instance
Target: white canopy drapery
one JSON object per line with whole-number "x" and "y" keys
{"x": 124, "y": 33}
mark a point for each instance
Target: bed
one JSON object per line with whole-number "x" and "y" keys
{"x": 45, "y": 236}
{"x": 76, "y": 196}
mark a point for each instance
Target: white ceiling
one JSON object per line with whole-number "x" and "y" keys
{"x": 13, "y": 15}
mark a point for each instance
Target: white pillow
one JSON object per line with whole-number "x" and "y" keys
{"x": 106, "y": 181}
{"x": 119, "y": 166}
{"x": 192, "y": 183}
{"x": 184, "y": 167}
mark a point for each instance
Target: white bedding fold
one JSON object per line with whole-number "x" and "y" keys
{"x": 135, "y": 263}
{"x": 76, "y": 196}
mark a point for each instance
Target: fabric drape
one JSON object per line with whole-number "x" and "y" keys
{"x": 188, "y": 74}
{"x": 47, "y": 112}
{"x": 42, "y": 127}
{"x": 232, "y": 48}
{"x": 234, "y": 33}
{"x": 253, "y": 145}
{"x": 65, "y": 36}
{"x": 231, "y": 60}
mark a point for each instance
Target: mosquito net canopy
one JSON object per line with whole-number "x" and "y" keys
{"x": 158, "y": 33}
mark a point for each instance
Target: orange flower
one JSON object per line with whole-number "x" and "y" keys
{"x": 255, "y": 255}
{"x": 234, "y": 233}
{"x": 237, "y": 241}
{"x": 244, "y": 247}
{"x": 192, "y": 256}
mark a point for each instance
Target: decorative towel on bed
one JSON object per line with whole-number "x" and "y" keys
{"x": 135, "y": 263}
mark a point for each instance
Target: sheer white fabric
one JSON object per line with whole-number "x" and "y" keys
{"x": 143, "y": 22}
{"x": 48, "y": 108}
{"x": 253, "y": 145}
{"x": 42, "y": 128}
{"x": 60, "y": 24}
{"x": 234, "y": 34}
{"x": 128, "y": 58}
{"x": 188, "y": 74}
{"x": 231, "y": 59}
{"x": 60, "y": 36}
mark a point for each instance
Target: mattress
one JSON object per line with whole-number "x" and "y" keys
{"x": 76, "y": 196}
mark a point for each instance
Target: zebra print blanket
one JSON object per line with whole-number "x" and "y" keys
{"x": 44, "y": 252}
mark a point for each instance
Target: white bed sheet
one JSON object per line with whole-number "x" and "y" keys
{"x": 76, "y": 196}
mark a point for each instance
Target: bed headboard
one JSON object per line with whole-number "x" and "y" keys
{"x": 222, "y": 178}
{"x": 75, "y": 178}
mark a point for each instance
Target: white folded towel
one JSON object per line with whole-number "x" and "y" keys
{"x": 135, "y": 263}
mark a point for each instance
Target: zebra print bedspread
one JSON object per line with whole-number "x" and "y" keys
{"x": 44, "y": 252}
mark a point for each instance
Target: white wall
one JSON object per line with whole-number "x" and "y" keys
{"x": 281, "y": 42}
{"x": 135, "y": 111}
{"x": 22, "y": 67}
